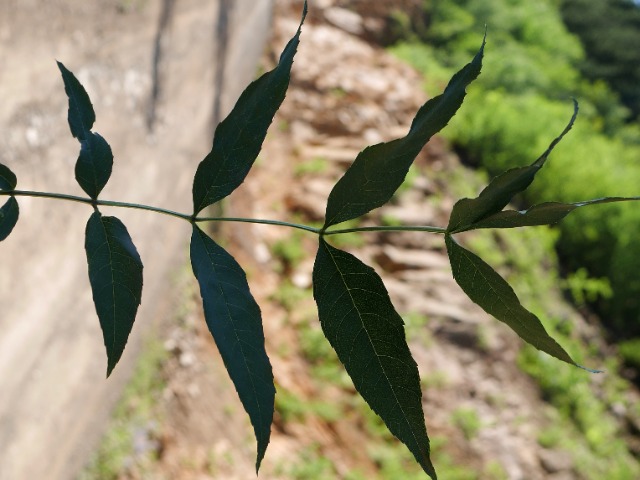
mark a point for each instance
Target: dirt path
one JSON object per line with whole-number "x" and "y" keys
{"x": 54, "y": 397}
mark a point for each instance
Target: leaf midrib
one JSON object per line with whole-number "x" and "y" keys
{"x": 113, "y": 282}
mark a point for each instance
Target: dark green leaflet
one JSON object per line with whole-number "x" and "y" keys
{"x": 10, "y": 211}
{"x": 81, "y": 115}
{"x": 541, "y": 214}
{"x": 501, "y": 189}
{"x": 8, "y": 180}
{"x": 94, "y": 164}
{"x": 8, "y": 217}
{"x": 238, "y": 138}
{"x": 367, "y": 333}
{"x": 95, "y": 161}
{"x": 379, "y": 170}
{"x": 490, "y": 291}
{"x": 234, "y": 320}
{"x": 115, "y": 274}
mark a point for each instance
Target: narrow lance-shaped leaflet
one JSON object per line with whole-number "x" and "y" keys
{"x": 80, "y": 114}
{"x": 95, "y": 162}
{"x": 541, "y": 214}
{"x": 380, "y": 169}
{"x": 235, "y": 322}
{"x": 486, "y": 288}
{"x": 115, "y": 275}
{"x": 239, "y": 137}
{"x": 501, "y": 189}
{"x": 9, "y": 214}
{"x": 360, "y": 322}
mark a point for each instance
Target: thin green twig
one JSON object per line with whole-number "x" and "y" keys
{"x": 190, "y": 219}
{"x": 89, "y": 201}
{"x": 259, "y": 220}
{"x": 399, "y": 228}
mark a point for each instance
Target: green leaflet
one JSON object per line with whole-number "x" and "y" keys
{"x": 366, "y": 332}
{"x": 10, "y": 211}
{"x": 8, "y": 217}
{"x": 379, "y": 170}
{"x": 95, "y": 161}
{"x": 115, "y": 274}
{"x": 490, "y": 291}
{"x": 81, "y": 115}
{"x": 94, "y": 164}
{"x": 501, "y": 189}
{"x": 541, "y": 214}
{"x": 8, "y": 180}
{"x": 234, "y": 320}
{"x": 238, "y": 138}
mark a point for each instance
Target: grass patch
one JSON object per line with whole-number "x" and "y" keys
{"x": 630, "y": 352}
{"x": 467, "y": 420}
{"x": 289, "y": 251}
{"x": 311, "y": 466}
{"x": 315, "y": 166}
{"x": 133, "y": 428}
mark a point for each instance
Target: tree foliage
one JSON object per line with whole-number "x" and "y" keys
{"x": 532, "y": 67}
{"x": 610, "y": 33}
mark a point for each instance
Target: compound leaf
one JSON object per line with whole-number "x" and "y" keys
{"x": 81, "y": 115}
{"x": 541, "y": 214}
{"x": 8, "y": 217}
{"x": 379, "y": 170}
{"x": 238, "y": 138}
{"x": 366, "y": 332}
{"x": 490, "y": 291}
{"x": 94, "y": 164}
{"x": 8, "y": 180}
{"x": 501, "y": 189}
{"x": 115, "y": 274}
{"x": 234, "y": 320}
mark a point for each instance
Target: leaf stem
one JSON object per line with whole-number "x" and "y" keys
{"x": 261, "y": 221}
{"x": 89, "y": 201}
{"x": 399, "y": 228}
{"x": 189, "y": 218}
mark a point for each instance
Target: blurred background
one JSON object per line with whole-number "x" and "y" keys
{"x": 161, "y": 74}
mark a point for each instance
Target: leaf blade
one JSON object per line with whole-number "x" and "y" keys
{"x": 80, "y": 115}
{"x": 9, "y": 214}
{"x": 235, "y": 322}
{"x": 499, "y": 192}
{"x": 379, "y": 170}
{"x": 487, "y": 289}
{"x": 370, "y": 342}
{"x": 8, "y": 180}
{"x": 115, "y": 275}
{"x": 541, "y": 214}
{"x": 239, "y": 137}
{"x": 94, "y": 165}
